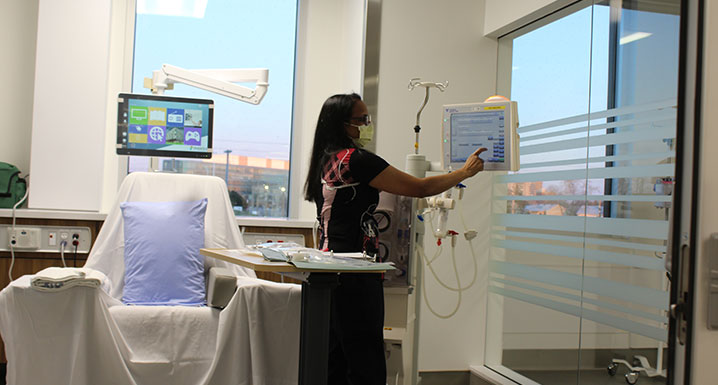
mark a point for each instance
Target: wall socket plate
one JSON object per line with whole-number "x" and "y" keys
{"x": 24, "y": 237}
{"x": 258, "y": 238}
{"x": 45, "y": 239}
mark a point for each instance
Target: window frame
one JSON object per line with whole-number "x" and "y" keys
{"x": 129, "y": 36}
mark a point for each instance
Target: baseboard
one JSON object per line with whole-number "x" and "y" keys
{"x": 459, "y": 377}
{"x": 482, "y": 375}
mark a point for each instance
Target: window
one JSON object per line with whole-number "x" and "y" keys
{"x": 251, "y": 146}
{"x": 552, "y": 78}
{"x": 576, "y": 266}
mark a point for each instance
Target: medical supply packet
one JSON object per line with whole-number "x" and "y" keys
{"x": 307, "y": 258}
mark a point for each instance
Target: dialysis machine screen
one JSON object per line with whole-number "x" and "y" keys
{"x": 154, "y": 125}
{"x": 468, "y": 127}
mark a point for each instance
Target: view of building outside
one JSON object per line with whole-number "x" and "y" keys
{"x": 251, "y": 143}
{"x": 257, "y": 186}
{"x": 591, "y": 208}
{"x": 556, "y": 75}
{"x": 550, "y": 84}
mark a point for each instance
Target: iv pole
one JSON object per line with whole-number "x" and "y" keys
{"x": 417, "y": 165}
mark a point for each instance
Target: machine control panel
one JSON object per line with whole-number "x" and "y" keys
{"x": 468, "y": 127}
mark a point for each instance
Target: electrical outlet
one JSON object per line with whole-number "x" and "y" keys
{"x": 24, "y": 237}
{"x": 46, "y": 239}
{"x": 257, "y": 238}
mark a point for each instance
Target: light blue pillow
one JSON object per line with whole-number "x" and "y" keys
{"x": 162, "y": 261}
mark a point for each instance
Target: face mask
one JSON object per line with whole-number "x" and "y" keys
{"x": 366, "y": 133}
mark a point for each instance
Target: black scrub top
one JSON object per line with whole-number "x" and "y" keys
{"x": 346, "y": 208}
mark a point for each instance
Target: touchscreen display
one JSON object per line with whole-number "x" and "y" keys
{"x": 473, "y": 130}
{"x": 153, "y": 125}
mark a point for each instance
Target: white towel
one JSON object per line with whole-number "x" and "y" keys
{"x": 60, "y": 278}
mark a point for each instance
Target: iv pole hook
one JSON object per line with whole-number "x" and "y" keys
{"x": 416, "y": 82}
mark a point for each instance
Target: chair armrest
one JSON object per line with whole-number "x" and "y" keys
{"x": 221, "y": 285}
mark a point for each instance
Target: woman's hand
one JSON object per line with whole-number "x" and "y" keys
{"x": 400, "y": 183}
{"x": 474, "y": 164}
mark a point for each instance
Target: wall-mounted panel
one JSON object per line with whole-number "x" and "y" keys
{"x": 68, "y": 127}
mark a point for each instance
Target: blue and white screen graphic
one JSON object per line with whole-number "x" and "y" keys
{"x": 473, "y": 130}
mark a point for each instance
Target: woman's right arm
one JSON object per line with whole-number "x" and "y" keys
{"x": 398, "y": 182}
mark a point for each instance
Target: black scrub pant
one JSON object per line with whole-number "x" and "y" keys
{"x": 356, "y": 338}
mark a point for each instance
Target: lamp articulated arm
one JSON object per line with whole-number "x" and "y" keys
{"x": 219, "y": 81}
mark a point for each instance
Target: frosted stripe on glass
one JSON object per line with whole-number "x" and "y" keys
{"x": 618, "y": 198}
{"x": 615, "y": 112}
{"x": 613, "y": 289}
{"x": 661, "y": 117}
{"x": 642, "y": 228}
{"x": 601, "y": 140}
{"x": 631, "y": 260}
{"x": 600, "y": 159}
{"x": 606, "y": 305}
{"x": 531, "y": 273}
{"x": 657, "y": 170}
{"x": 619, "y": 323}
{"x": 591, "y": 241}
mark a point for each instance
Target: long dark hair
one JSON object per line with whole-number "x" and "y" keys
{"x": 330, "y": 137}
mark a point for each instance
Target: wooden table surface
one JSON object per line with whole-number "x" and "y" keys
{"x": 257, "y": 262}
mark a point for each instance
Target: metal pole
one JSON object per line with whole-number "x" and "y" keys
{"x": 226, "y": 169}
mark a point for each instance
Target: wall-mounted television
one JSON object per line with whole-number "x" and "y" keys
{"x": 164, "y": 126}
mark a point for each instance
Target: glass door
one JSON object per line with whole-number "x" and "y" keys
{"x": 536, "y": 259}
{"x": 625, "y": 297}
{"x": 578, "y": 286}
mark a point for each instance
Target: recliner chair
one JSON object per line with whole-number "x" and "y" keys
{"x": 84, "y": 335}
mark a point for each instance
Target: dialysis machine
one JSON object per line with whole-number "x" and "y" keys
{"x": 491, "y": 124}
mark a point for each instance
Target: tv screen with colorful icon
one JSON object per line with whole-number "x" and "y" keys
{"x": 164, "y": 126}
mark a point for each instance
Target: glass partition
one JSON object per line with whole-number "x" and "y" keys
{"x": 623, "y": 333}
{"x": 578, "y": 290}
{"x": 537, "y": 237}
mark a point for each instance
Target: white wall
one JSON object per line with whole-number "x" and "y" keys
{"x": 329, "y": 61}
{"x": 69, "y": 105}
{"x": 119, "y": 79}
{"x": 18, "y": 28}
{"x": 439, "y": 41}
{"x": 705, "y": 342}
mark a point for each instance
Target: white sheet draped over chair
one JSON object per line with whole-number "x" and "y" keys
{"x": 221, "y": 230}
{"x": 85, "y": 335}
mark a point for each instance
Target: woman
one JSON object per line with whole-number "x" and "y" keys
{"x": 344, "y": 182}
